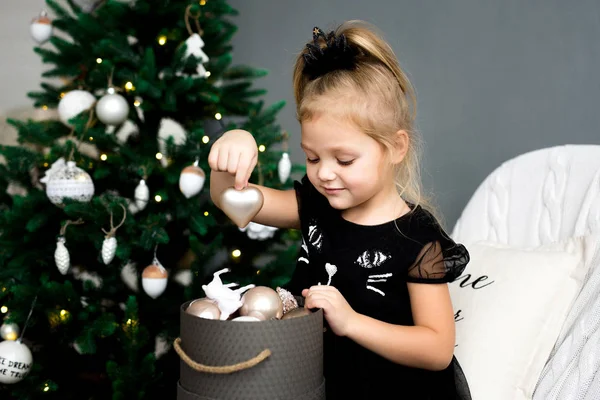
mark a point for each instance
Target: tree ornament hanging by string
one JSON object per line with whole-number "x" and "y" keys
{"x": 141, "y": 195}
{"x": 109, "y": 245}
{"x": 194, "y": 44}
{"x": 61, "y": 254}
{"x": 41, "y": 28}
{"x": 154, "y": 278}
{"x": 284, "y": 167}
{"x": 112, "y": 108}
{"x": 9, "y": 331}
{"x": 66, "y": 180}
{"x": 16, "y": 357}
{"x": 191, "y": 180}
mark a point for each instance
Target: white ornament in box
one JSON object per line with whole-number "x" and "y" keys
{"x": 228, "y": 300}
{"x": 66, "y": 180}
{"x": 15, "y": 361}
{"x": 258, "y": 231}
{"x": 74, "y": 103}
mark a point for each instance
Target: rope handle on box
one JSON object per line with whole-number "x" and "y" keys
{"x": 225, "y": 369}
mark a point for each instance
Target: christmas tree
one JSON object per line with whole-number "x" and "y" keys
{"x": 112, "y": 195}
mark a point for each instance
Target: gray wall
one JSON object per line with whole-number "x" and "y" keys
{"x": 494, "y": 78}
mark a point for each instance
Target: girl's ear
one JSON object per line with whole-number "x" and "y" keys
{"x": 401, "y": 143}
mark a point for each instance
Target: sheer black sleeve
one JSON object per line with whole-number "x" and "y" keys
{"x": 438, "y": 259}
{"x": 438, "y": 262}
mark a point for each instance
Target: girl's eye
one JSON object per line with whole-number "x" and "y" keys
{"x": 345, "y": 162}
{"x": 312, "y": 160}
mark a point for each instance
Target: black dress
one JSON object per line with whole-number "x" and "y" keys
{"x": 370, "y": 266}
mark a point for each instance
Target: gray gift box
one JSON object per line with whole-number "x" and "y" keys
{"x": 238, "y": 360}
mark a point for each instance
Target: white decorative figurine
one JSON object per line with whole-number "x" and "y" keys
{"x": 228, "y": 300}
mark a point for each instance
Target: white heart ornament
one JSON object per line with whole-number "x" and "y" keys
{"x": 241, "y": 205}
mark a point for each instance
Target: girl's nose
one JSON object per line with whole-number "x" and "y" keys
{"x": 326, "y": 172}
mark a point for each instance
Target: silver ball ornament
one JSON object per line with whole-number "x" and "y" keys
{"x": 263, "y": 303}
{"x": 112, "y": 109}
{"x": 9, "y": 331}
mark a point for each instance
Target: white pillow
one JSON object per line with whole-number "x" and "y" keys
{"x": 510, "y": 304}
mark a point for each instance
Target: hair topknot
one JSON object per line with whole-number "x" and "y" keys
{"x": 328, "y": 53}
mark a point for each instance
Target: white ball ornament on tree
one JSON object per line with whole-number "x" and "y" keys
{"x": 74, "y": 103}
{"x": 191, "y": 180}
{"x": 154, "y": 279}
{"x": 67, "y": 181}
{"x": 41, "y": 28}
{"x": 112, "y": 108}
{"x": 16, "y": 360}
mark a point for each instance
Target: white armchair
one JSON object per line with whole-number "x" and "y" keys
{"x": 538, "y": 198}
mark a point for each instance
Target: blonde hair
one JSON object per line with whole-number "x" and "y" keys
{"x": 376, "y": 96}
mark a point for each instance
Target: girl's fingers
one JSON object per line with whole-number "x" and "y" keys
{"x": 213, "y": 158}
{"x": 243, "y": 171}
{"x": 222, "y": 161}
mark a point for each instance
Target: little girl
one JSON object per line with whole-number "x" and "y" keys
{"x": 373, "y": 256}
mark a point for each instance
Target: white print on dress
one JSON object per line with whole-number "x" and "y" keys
{"x": 378, "y": 278}
{"x": 372, "y": 259}
{"x": 305, "y": 248}
{"x": 315, "y": 237}
{"x": 331, "y": 270}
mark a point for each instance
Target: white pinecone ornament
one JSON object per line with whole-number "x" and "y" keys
{"x": 61, "y": 256}
{"x": 109, "y": 248}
